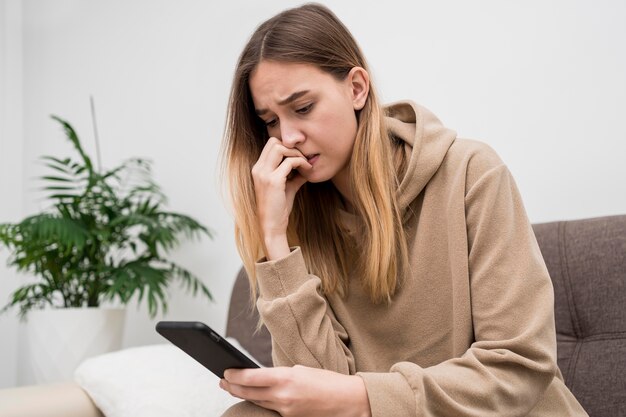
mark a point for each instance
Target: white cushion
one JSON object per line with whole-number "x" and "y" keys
{"x": 153, "y": 381}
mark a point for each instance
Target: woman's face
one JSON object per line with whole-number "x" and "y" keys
{"x": 311, "y": 111}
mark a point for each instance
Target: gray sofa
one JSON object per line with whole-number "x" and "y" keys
{"x": 587, "y": 264}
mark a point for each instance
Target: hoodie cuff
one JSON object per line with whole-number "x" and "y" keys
{"x": 281, "y": 277}
{"x": 389, "y": 394}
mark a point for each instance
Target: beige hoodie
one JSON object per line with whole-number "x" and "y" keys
{"x": 470, "y": 332}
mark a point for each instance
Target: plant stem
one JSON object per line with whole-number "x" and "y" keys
{"x": 95, "y": 132}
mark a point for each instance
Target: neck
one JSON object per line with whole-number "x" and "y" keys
{"x": 342, "y": 184}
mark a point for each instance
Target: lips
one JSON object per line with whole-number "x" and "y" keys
{"x": 312, "y": 158}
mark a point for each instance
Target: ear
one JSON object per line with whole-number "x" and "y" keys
{"x": 359, "y": 82}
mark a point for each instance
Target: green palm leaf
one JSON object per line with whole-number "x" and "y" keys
{"x": 104, "y": 237}
{"x": 65, "y": 231}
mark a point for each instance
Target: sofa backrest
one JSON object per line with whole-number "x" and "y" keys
{"x": 242, "y": 322}
{"x": 587, "y": 264}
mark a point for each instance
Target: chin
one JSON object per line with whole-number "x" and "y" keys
{"x": 313, "y": 179}
{"x": 316, "y": 178}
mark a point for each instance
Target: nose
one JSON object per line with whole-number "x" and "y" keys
{"x": 290, "y": 135}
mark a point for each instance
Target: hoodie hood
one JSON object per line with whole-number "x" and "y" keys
{"x": 426, "y": 142}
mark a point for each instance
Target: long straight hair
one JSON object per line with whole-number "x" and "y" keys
{"x": 312, "y": 34}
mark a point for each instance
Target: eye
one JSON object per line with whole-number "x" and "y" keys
{"x": 305, "y": 110}
{"x": 271, "y": 123}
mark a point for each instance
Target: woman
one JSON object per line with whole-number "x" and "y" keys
{"x": 396, "y": 269}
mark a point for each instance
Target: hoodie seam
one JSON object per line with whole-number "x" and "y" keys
{"x": 293, "y": 314}
{"x": 482, "y": 179}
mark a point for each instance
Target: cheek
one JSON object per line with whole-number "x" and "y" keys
{"x": 345, "y": 133}
{"x": 339, "y": 128}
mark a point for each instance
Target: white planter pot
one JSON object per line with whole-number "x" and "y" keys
{"x": 58, "y": 340}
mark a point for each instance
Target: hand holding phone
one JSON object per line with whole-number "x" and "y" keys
{"x": 204, "y": 345}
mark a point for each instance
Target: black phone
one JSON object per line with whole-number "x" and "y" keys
{"x": 204, "y": 345}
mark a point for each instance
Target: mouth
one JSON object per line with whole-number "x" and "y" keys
{"x": 311, "y": 157}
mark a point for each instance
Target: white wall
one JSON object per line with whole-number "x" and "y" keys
{"x": 11, "y": 169}
{"x": 541, "y": 82}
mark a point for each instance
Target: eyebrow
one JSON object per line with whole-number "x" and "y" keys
{"x": 291, "y": 98}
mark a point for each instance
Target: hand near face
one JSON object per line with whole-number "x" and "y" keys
{"x": 299, "y": 391}
{"x": 275, "y": 186}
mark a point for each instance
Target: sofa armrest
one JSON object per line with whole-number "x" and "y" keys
{"x": 56, "y": 400}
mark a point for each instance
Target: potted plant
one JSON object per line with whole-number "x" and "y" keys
{"x": 102, "y": 241}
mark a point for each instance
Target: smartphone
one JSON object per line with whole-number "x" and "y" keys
{"x": 204, "y": 345}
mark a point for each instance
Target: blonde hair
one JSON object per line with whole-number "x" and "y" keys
{"x": 312, "y": 34}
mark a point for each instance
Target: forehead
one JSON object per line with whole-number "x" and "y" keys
{"x": 273, "y": 81}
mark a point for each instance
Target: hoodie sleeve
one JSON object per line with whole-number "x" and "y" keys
{"x": 303, "y": 327}
{"x": 513, "y": 358}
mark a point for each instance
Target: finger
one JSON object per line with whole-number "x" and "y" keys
{"x": 258, "y": 394}
{"x": 267, "y": 148}
{"x": 281, "y": 175}
{"x": 274, "y": 152}
{"x": 291, "y": 163}
{"x": 280, "y": 152}
{"x": 228, "y": 388}
{"x": 252, "y": 394}
{"x": 249, "y": 377}
{"x": 257, "y": 377}
{"x": 265, "y": 168}
{"x": 225, "y": 386}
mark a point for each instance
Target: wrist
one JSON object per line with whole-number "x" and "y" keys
{"x": 276, "y": 246}
{"x": 362, "y": 405}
